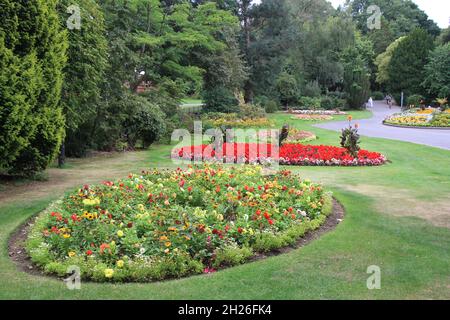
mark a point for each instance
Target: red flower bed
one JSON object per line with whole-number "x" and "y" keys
{"x": 289, "y": 154}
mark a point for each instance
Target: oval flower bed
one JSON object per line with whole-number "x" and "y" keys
{"x": 299, "y": 136}
{"x": 312, "y": 117}
{"x": 319, "y": 112}
{"x": 411, "y": 119}
{"x": 289, "y": 154}
{"x": 167, "y": 224}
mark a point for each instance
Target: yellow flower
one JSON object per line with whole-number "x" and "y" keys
{"x": 168, "y": 244}
{"x": 220, "y": 217}
{"x": 109, "y": 273}
{"x": 120, "y": 233}
{"x": 120, "y": 263}
{"x": 66, "y": 235}
{"x": 72, "y": 254}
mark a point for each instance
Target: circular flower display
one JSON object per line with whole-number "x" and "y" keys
{"x": 166, "y": 224}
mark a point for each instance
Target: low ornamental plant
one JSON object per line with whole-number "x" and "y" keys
{"x": 350, "y": 138}
{"x": 174, "y": 223}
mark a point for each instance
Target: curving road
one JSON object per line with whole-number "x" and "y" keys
{"x": 374, "y": 128}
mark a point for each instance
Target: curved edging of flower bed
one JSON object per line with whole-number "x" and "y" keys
{"x": 415, "y": 127}
{"x": 20, "y": 257}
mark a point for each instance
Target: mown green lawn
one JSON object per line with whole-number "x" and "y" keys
{"x": 395, "y": 219}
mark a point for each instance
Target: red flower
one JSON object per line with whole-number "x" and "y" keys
{"x": 266, "y": 215}
{"x": 181, "y": 183}
{"x": 270, "y": 221}
{"x": 240, "y": 230}
{"x": 103, "y": 247}
{"x": 258, "y": 212}
{"x": 89, "y": 252}
{"x": 130, "y": 225}
{"x": 289, "y": 154}
{"x": 189, "y": 189}
{"x": 218, "y": 189}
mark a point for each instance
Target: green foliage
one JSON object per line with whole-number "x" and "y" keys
{"x": 271, "y": 106}
{"x": 251, "y": 111}
{"x": 350, "y": 140}
{"x": 377, "y": 95}
{"x": 441, "y": 120}
{"x": 309, "y": 103}
{"x": 145, "y": 122}
{"x": 220, "y": 99}
{"x": 414, "y": 100}
{"x": 332, "y": 103}
{"x": 231, "y": 256}
{"x": 406, "y": 68}
{"x": 356, "y": 77}
{"x": 287, "y": 88}
{"x": 437, "y": 72}
{"x": 402, "y": 16}
{"x": 444, "y": 37}
{"x": 33, "y": 55}
{"x": 312, "y": 89}
{"x": 87, "y": 61}
{"x": 383, "y": 60}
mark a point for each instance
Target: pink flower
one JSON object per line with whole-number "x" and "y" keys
{"x": 209, "y": 270}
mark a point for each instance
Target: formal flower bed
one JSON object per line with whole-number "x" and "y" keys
{"x": 235, "y": 121}
{"x": 299, "y": 136}
{"x": 166, "y": 224}
{"x": 288, "y": 154}
{"x": 319, "y": 112}
{"x": 312, "y": 117}
{"x": 414, "y": 119}
{"x": 295, "y": 136}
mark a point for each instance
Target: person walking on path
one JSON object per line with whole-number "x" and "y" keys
{"x": 370, "y": 102}
{"x": 389, "y": 101}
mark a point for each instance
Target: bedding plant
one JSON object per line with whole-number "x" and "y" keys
{"x": 287, "y": 154}
{"x": 174, "y": 223}
{"x": 423, "y": 118}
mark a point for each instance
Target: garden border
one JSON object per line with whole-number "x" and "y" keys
{"x": 19, "y": 256}
{"x": 415, "y": 127}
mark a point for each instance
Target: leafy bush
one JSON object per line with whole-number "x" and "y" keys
{"x": 414, "y": 100}
{"x": 271, "y": 106}
{"x": 251, "y": 111}
{"x": 145, "y": 122}
{"x": 220, "y": 99}
{"x": 441, "y": 120}
{"x": 287, "y": 88}
{"x": 32, "y": 58}
{"x": 377, "y": 95}
{"x": 350, "y": 140}
{"x": 309, "y": 103}
{"x": 312, "y": 90}
{"x": 332, "y": 103}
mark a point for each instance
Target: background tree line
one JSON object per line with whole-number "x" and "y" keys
{"x": 69, "y": 91}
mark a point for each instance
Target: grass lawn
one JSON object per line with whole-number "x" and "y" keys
{"x": 191, "y": 101}
{"x": 396, "y": 218}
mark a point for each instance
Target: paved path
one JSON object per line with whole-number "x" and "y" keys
{"x": 374, "y": 128}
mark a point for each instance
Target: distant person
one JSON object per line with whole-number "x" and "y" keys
{"x": 389, "y": 101}
{"x": 370, "y": 102}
